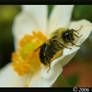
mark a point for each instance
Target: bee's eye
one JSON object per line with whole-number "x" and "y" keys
{"x": 68, "y": 36}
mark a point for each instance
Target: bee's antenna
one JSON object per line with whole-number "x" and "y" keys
{"x": 76, "y": 31}
{"x": 78, "y": 36}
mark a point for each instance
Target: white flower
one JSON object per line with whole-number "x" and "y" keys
{"x": 34, "y": 17}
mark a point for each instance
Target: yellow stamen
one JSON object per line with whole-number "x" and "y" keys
{"x": 26, "y": 59}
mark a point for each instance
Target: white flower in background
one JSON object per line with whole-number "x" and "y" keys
{"x": 34, "y": 17}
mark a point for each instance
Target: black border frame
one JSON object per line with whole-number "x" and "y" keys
{"x": 46, "y": 89}
{"x": 44, "y": 2}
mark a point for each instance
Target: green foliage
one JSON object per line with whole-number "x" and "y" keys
{"x": 82, "y": 12}
{"x": 64, "y": 82}
{"x": 79, "y": 12}
{"x": 7, "y": 14}
{"x": 71, "y": 81}
{"x": 50, "y": 8}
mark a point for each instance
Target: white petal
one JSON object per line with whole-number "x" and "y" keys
{"x": 9, "y": 78}
{"x": 67, "y": 57}
{"x": 23, "y": 24}
{"x": 31, "y": 18}
{"x": 39, "y": 81}
{"x": 39, "y": 13}
{"x": 60, "y": 17}
{"x": 69, "y": 53}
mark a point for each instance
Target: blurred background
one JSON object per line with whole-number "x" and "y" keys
{"x": 78, "y": 72}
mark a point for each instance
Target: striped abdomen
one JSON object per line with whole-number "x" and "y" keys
{"x": 48, "y": 50}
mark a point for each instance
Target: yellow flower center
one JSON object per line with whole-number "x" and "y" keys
{"x": 26, "y": 59}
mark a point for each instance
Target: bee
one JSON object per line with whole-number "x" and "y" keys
{"x": 53, "y": 47}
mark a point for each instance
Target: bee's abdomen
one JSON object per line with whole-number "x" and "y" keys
{"x": 48, "y": 51}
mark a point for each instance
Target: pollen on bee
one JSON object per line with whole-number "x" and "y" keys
{"x": 26, "y": 60}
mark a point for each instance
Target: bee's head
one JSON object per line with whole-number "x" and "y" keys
{"x": 68, "y": 36}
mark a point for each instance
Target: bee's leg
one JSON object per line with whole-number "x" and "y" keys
{"x": 75, "y": 44}
{"x": 67, "y": 47}
{"x": 78, "y": 36}
{"x": 61, "y": 45}
{"x": 76, "y": 31}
